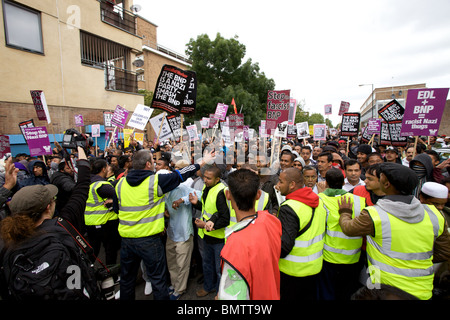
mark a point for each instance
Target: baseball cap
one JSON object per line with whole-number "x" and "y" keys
{"x": 401, "y": 177}
{"x": 32, "y": 199}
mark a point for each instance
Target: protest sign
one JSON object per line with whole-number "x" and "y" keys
{"x": 161, "y": 126}
{"x": 320, "y": 132}
{"x": 79, "y": 122}
{"x": 204, "y": 123}
{"x": 107, "y": 115}
{"x": 366, "y": 136}
{"x": 291, "y": 131}
{"x": 350, "y": 124}
{"x": 127, "y": 135}
{"x": 140, "y": 116}
{"x": 5, "y": 146}
{"x": 236, "y": 122}
{"x": 38, "y": 141}
{"x": 212, "y": 121}
{"x": 327, "y": 109}
{"x": 190, "y": 100}
{"x": 343, "y": 108}
{"x": 26, "y": 124}
{"x": 278, "y": 104}
{"x": 221, "y": 111}
{"x": 393, "y": 113}
{"x": 192, "y": 132}
{"x": 40, "y": 104}
{"x": 281, "y": 130}
{"x": 292, "y": 111}
{"x": 385, "y": 137}
{"x": 95, "y": 130}
{"x": 302, "y": 130}
{"x": 119, "y": 117}
{"x": 175, "y": 125}
{"x": 373, "y": 126}
{"x": 423, "y": 111}
{"x": 172, "y": 88}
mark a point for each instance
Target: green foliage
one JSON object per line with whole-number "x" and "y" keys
{"x": 222, "y": 76}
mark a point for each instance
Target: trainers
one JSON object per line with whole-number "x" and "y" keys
{"x": 148, "y": 288}
{"x": 202, "y": 292}
{"x": 175, "y": 296}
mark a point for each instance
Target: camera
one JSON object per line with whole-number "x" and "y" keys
{"x": 73, "y": 139}
{"x": 106, "y": 278}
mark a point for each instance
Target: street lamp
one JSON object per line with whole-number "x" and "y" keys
{"x": 369, "y": 84}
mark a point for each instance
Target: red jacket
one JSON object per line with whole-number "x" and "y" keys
{"x": 254, "y": 252}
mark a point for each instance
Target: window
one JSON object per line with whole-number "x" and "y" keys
{"x": 113, "y": 57}
{"x": 22, "y": 27}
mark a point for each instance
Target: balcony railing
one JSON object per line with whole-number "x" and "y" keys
{"x": 165, "y": 50}
{"x": 117, "y": 16}
{"x": 120, "y": 79}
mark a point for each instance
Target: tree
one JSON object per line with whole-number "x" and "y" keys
{"x": 222, "y": 76}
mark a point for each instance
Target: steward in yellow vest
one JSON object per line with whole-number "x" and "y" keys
{"x": 302, "y": 217}
{"x": 211, "y": 227}
{"x": 141, "y": 220}
{"x": 404, "y": 237}
{"x": 100, "y": 215}
{"x": 339, "y": 278}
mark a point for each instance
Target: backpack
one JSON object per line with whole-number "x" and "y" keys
{"x": 48, "y": 266}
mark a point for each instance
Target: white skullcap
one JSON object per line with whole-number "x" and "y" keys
{"x": 435, "y": 190}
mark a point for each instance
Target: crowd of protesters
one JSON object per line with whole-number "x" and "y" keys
{"x": 315, "y": 192}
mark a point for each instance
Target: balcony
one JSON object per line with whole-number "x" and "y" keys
{"x": 119, "y": 79}
{"x": 116, "y": 16}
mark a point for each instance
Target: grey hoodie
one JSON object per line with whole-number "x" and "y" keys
{"x": 405, "y": 207}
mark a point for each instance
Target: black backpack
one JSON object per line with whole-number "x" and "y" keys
{"x": 48, "y": 266}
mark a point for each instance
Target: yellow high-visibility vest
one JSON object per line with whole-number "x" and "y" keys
{"x": 209, "y": 207}
{"x": 339, "y": 248}
{"x": 95, "y": 213}
{"x": 306, "y": 257}
{"x": 141, "y": 209}
{"x": 400, "y": 254}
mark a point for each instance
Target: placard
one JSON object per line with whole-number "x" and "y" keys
{"x": 40, "y": 104}
{"x": 303, "y": 130}
{"x": 26, "y": 124}
{"x": 166, "y": 133}
{"x": 278, "y": 104}
{"x": 328, "y": 108}
{"x": 373, "y": 126}
{"x": 192, "y": 132}
{"x": 171, "y": 89}
{"x": 423, "y": 111}
{"x": 140, "y": 116}
{"x": 190, "y": 100}
{"x": 79, "y": 122}
{"x": 175, "y": 125}
{"x": 107, "y": 116}
{"x": 320, "y": 132}
{"x": 343, "y": 108}
{"x": 119, "y": 117}
{"x": 350, "y": 124}
{"x": 95, "y": 131}
{"x": 221, "y": 111}
{"x": 38, "y": 141}
{"x": 5, "y": 146}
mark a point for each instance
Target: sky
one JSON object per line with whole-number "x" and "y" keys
{"x": 321, "y": 50}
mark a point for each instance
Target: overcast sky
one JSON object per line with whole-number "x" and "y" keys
{"x": 323, "y": 49}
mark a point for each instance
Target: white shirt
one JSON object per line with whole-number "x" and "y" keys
{"x": 405, "y": 162}
{"x": 348, "y": 186}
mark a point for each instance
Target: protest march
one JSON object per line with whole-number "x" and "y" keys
{"x": 356, "y": 212}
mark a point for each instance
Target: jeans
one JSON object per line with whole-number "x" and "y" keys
{"x": 151, "y": 251}
{"x": 211, "y": 265}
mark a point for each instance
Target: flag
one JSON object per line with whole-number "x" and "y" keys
{"x": 234, "y": 105}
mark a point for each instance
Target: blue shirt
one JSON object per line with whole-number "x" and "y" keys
{"x": 180, "y": 222}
